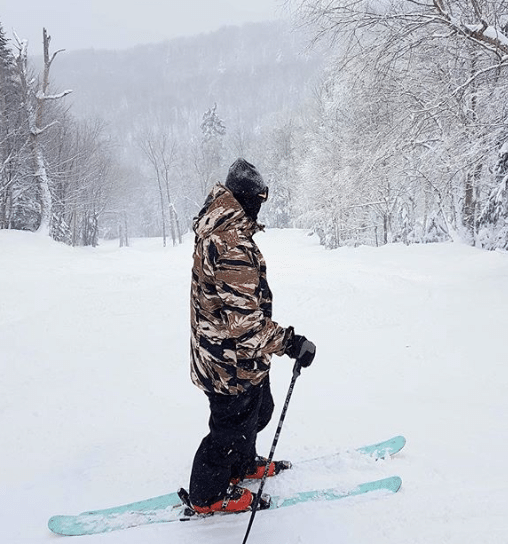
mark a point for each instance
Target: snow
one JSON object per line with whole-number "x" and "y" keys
{"x": 97, "y": 407}
{"x": 490, "y": 32}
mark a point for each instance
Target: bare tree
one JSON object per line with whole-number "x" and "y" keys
{"x": 83, "y": 172}
{"x": 160, "y": 151}
{"x": 412, "y": 22}
{"x": 433, "y": 68}
{"x": 35, "y": 98}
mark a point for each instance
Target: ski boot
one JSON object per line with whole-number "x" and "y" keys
{"x": 237, "y": 499}
{"x": 257, "y": 470}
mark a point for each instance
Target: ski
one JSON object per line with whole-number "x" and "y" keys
{"x": 169, "y": 508}
{"x": 380, "y": 450}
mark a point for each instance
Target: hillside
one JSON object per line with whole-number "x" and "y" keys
{"x": 251, "y": 72}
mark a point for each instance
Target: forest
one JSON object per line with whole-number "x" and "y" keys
{"x": 373, "y": 121}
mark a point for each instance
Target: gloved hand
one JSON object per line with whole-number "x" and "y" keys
{"x": 301, "y": 349}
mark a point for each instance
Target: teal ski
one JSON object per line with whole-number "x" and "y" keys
{"x": 380, "y": 450}
{"x": 384, "y": 449}
{"x": 168, "y": 508}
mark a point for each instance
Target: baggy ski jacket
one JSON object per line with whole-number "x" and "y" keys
{"x": 232, "y": 332}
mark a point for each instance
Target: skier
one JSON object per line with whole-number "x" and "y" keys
{"x": 233, "y": 338}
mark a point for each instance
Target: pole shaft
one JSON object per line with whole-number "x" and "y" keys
{"x": 296, "y": 373}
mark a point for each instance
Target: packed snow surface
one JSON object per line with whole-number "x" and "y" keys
{"x": 97, "y": 408}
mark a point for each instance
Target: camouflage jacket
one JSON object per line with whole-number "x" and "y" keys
{"x": 233, "y": 335}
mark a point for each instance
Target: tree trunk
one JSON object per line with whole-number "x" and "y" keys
{"x": 43, "y": 182}
{"x": 163, "y": 213}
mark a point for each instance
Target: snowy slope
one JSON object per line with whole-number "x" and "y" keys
{"x": 97, "y": 408}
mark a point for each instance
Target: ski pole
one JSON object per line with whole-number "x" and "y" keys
{"x": 296, "y": 372}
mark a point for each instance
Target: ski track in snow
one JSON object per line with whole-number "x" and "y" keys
{"x": 97, "y": 407}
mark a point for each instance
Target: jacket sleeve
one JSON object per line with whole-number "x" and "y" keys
{"x": 239, "y": 287}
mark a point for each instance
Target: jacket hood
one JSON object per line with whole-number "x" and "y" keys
{"x": 221, "y": 212}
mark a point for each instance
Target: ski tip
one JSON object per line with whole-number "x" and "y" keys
{"x": 52, "y": 522}
{"x": 56, "y": 524}
{"x": 391, "y": 484}
{"x": 395, "y": 444}
{"x": 400, "y": 440}
{"x": 395, "y": 483}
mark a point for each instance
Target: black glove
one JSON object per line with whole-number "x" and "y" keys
{"x": 301, "y": 349}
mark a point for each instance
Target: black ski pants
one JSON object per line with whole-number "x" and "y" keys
{"x": 229, "y": 450}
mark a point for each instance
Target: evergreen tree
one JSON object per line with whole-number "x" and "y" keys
{"x": 212, "y": 126}
{"x": 210, "y": 157}
{"x": 17, "y": 210}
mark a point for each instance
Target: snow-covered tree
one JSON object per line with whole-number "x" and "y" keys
{"x": 160, "y": 150}
{"x": 209, "y": 150}
{"x": 82, "y": 171}
{"x": 35, "y": 96}
{"x": 493, "y": 222}
{"x": 16, "y": 209}
{"x": 425, "y": 81}
{"x": 275, "y": 152}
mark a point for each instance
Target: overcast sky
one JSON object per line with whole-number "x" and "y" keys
{"x": 119, "y": 24}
